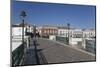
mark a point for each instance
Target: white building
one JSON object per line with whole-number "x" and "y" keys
{"x": 39, "y": 29}
{"x": 76, "y": 36}
{"x": 16, "y": 34}
{"x": 17, "y": 30}
{"x": 63, "y": 32}
{"x": 89, "y": 33}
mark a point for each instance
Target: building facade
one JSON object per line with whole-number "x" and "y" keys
{"x": 17, "y": 30}
{"x": 49, "y": 30}
{"x": 89, "y": 33}
{"x": 77, "y": 37}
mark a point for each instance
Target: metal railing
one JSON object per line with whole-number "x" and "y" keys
{"x": 17, "y": 55}
{"x": 62, "y": 39}
{"x": 91, "y": 46}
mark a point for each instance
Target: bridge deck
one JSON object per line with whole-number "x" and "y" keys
{"x": 52, "y": 52}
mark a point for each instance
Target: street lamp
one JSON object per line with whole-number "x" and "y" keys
{"x": 68, "y": 28}
{"x": 23, "y": 15}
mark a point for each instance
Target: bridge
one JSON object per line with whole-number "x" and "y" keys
{"x": 48, "y": 51}
{"x": 45, "y": 51}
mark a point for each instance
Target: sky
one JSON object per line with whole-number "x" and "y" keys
{"x": 78, "y": 16}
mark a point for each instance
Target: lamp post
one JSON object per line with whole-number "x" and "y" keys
{"x": 68, "y": 28}
{"x": 23, "y": 15}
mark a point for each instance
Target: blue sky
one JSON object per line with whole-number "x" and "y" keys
{"x": 54, "y": 14}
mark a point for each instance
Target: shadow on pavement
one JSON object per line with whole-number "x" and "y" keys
{"x": 34, "y": 56}
{"x": 41, "y": 56}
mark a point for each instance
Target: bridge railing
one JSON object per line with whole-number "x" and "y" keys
{"x": 62, "y": 39}
{"x": 91, "y": 46}
{"x": 17, "y": 55}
